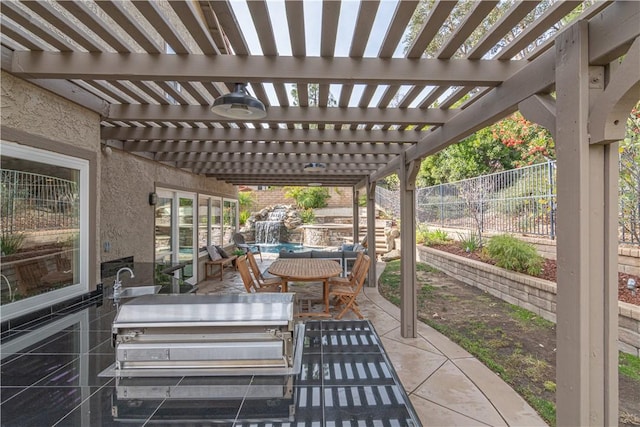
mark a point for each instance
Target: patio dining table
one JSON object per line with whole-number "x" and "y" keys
{"x": 307, "y": 270}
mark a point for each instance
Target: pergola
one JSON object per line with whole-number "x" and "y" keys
{"x": 367, "y": 108}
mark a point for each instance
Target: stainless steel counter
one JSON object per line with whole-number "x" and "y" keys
{"x": 166, "y": 335}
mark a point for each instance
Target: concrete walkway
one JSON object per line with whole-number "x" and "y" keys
{"x": 447, "y": 385}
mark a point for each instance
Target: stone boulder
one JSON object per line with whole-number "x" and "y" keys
{"x": 390, "y": 256}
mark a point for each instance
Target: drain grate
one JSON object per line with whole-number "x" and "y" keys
{"x": 345, "y": 369}
{"x": 348, "y": 380}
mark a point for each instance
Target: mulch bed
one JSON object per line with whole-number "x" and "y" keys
{"x": 549, "y": 271}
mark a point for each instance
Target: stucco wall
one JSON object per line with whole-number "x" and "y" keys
{"x": 40, "y": 112}
{"x": 63, "y": 125}
{"x": 127, "y": 219}
{"x": 123, "y": 181}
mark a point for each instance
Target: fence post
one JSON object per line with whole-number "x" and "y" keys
{"x": 441, "y": 206}
{"x": 482, "y": 190}
{"x": 12, "y": 213}
{"x": 552, "y": 204}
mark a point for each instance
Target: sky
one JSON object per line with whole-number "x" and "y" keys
{"x": 313, "y": 20}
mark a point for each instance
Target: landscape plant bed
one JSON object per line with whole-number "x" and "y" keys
{"x": 515, "y": 343}
{"x": 548, "y": 272}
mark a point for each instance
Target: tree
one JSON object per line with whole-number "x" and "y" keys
{"x": 245, "y": 200}
{"x": 314, "y": 96}
{"x": 473, "y": 193}
{"x": 456, "y": 18}
{"x": 245, "y": 203}
{"x": 630, "y": 178}
{"x": 507, "y": 144}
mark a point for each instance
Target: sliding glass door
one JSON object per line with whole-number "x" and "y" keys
{"x": 175, "y": 234}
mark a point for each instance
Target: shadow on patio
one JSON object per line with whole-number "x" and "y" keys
{"x": 446, "y": 384}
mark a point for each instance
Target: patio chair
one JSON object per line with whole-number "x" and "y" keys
{"x": 239, "y": 241}
{"x": 249, "y": 282}
{"x": 257, "y": 274}
{"x": 30, "y": 273}
{"x": 345, "y": 295}
{"x": 357, "y": 264}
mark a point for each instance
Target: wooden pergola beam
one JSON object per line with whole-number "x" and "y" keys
{"x": 260, "y": 69}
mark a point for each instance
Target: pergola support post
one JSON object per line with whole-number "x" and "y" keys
{"x": 408, "y": 305}
{"x": 587, "y": 315}
{"x": 371, "y": 231}
{"x": 356, "y": 216}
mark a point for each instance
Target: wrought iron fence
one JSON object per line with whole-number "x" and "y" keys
{"x": 30, "y": 202}
{"x": 388, "y": 201}
{"x": 515, "y": 201}
{"x": 519, "y": 201}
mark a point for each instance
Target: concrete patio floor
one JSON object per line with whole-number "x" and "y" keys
{"x": 447, "y": 385}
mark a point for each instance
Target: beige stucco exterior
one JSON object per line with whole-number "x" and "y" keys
{"x": 47, "y": 121}
{"x": 127, "y": 219}
{"x": 120, "y": 182}
{"x": 31, "y": 109}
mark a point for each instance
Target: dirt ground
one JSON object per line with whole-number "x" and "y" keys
{"x": 515, "y": 343}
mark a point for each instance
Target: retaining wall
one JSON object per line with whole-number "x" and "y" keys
{"x": 339, "y": 197}
{"x": 628, "y": 256}
{"x": 531, "y": 293}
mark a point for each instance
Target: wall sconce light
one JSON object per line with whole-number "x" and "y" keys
{"x": 153, "y": 198}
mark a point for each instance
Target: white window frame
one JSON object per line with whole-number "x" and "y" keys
{"x": 175, "y": 196}
{"x": 36, "y": 302}
{"x": 236, "y": 226}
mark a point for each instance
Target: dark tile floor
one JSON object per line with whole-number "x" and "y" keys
{"x": 50, "y": 377}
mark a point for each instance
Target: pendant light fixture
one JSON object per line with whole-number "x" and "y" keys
{"x": 239, "y": 105}
{"x": 314, "y": 167}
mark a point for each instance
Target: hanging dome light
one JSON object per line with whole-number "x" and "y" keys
{"x": 239, "y": 105}
{"x": 314, "y": 167}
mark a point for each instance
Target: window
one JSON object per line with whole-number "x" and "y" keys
{"x": 44, "y": 210}
{"x": 174, "y": 230}
{"x": 209, "y": 221}
{"x": 216, "y": 220}
{"x": 230, "y": 219}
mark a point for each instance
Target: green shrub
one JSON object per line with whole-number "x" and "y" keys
{"x": 431, "y": 237}
{"x": 421, "y": 235}
{"x": 470, "y": 242}
{"x": 246, "y": 200}
{"x": 311, "y": 197}
{"x": 244, "y": 216}
{"x": 307, "y": 215}
{"x": 513, "y": 254}
{"x": 11, "y": 243}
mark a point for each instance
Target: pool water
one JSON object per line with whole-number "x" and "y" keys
{"x": 274, "y": 248}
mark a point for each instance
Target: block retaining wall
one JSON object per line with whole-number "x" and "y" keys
{"x": 628, "y": 255}
{"x": 275, "y": 196}
{"x": 531, "y": 293}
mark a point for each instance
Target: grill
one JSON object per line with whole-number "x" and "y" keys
{"x": 240, "y": 360}
{"x": 204, "y": 335}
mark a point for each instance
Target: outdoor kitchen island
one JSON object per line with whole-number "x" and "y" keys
{"x": 343, "y": 376}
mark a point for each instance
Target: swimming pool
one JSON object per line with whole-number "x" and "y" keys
{"x": 274, "y": 248}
